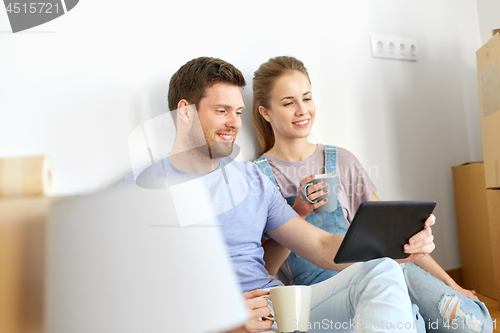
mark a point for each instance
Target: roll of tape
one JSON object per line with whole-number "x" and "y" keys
{"x": 26, "y": 176}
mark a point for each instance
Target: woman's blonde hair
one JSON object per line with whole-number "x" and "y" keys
{"x": 263, "y": 80}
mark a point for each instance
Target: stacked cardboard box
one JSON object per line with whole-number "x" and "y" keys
{"x": 488, "y": 58}
{"x": 473, "y": 228}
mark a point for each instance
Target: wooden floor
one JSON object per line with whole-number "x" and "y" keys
{"x": 492, "y": 305}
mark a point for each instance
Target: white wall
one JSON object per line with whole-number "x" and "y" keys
{"x": 489, "y": 17}
{"x": 75, "y": 87}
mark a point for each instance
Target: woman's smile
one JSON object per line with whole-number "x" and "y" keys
{"x": 301, "y": 123}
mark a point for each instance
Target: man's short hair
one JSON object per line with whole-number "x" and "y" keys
{"x": 191, "y": 80}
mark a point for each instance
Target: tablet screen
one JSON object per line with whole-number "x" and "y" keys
{"x": 381, "y": 229}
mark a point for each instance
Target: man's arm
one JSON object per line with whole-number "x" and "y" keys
{"x": 320, "y": 247}
{"x": 309, "y": 242}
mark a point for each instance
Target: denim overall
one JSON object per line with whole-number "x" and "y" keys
{"x": 303, "y": 271}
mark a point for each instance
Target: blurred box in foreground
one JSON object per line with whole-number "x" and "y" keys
{"x": 22, "y": 252}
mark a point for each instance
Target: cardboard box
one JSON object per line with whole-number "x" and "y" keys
{"x": 474, "y": 228}
{"x": 488, "y": 59}
{"x": 22, "y": 254}
{"x": 494, "y": 214}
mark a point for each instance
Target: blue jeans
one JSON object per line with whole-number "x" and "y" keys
{"x": 436, "y": 301}
{"x": 365, "y": 297}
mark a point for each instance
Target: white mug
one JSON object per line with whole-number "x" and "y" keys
{"x": 292, "y": 306}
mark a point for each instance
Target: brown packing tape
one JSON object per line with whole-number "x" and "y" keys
{"x": 26, "y": 176}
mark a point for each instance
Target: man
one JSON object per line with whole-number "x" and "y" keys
{"x": 205, "y": 92}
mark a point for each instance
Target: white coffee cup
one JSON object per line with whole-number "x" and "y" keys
{"x": 292, "y": 306}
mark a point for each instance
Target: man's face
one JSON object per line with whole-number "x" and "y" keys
{"x": 220, "y": 117}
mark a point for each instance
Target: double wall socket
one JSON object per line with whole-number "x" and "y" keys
{"x": 394, "y": 48}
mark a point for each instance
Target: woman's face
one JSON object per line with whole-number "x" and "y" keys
{"x": 291, "y": 107}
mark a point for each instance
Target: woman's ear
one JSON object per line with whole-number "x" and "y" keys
{"x": 264, "y": 113}
{"x": 183, "y": 111}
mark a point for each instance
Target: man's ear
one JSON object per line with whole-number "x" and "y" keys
{"x": 183, "y": 111}
{"x": 264, "y": 113}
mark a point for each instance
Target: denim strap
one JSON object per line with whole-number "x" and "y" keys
{"x": 265, "y": 168}
{"x": 330, "y": 159}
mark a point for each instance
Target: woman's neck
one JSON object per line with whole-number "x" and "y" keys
{"x": 293, "y": 150}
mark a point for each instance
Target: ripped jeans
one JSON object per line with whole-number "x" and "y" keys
{"x": 437, "y": 302}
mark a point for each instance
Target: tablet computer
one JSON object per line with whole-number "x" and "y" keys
{"x": 381, "y": 229}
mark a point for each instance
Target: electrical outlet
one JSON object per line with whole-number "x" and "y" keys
{"x": 389, "y": 47}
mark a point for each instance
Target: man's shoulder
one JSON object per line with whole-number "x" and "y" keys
{"x": 247, "y": 165}
{"x": 151, "y": 171}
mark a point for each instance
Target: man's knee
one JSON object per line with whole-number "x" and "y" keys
{"x": 387, "y": 263}
{"x": 386, "y": 266}
{"x": 384, "y": 269}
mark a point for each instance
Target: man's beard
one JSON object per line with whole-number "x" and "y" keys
{"x": 212, "y": 148}
{"x": 218, "y": 149}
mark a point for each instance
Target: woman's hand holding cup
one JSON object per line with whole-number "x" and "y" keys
{"x": 303, "y": 207}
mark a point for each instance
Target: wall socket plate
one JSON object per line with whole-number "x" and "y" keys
{"x": 390, "y": 47}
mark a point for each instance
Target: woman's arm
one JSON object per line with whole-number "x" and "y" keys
{"x": 428, "y": 264}
{"x": 374, "y": 197}
{"x": 274, "y": 255}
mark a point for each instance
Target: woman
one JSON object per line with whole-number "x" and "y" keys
{"x": 283, "y": 114}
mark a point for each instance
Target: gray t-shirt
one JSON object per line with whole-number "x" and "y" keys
{"x": 355, "y": 186}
